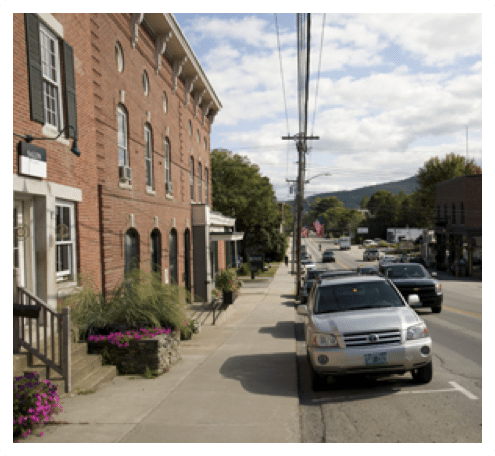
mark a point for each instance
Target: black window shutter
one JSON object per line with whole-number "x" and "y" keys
{"x": 34, "y": 67}
{"x": 70, "y": 90}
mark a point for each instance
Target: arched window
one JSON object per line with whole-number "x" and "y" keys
{"x": 131, "y": 250}
{"x": 168, "y": 177}
{"x": 156, "y": 251}
{"x": 200, "y": 178}
{"x": 172, "y": 262}
{"x": 148, "y": 156}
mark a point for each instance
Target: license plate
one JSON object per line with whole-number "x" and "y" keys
{"x": 376, "y": 359}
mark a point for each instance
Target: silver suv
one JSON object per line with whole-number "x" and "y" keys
{"x": 363, "y": 325}
{"x": 370, "y": 255}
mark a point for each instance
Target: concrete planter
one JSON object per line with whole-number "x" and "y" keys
{"x": 158, "y": 353}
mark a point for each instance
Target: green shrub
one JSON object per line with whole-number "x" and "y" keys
{"x": 245, "y": 269}
{"x": 227, "y": 280}
{"x": 141, "y": 299}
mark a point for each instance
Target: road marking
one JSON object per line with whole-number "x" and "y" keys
{"x": 455, "y": 387}
{"x": 465, "y": 312}
{"x": 464, "y": 391}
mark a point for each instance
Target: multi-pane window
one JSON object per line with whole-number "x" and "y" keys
{"x": 65, "y": 241}
{"x": 50, "y": 64}
{"x": 122, "y": 136}
{"x": 192, "y": 179}
{"x": 200, "y": 177}
{"x": 167, "y": 161}
{"x": 206, "y": 185}
{"x": 148, "y": 156}
{"x": 172, "y": 262}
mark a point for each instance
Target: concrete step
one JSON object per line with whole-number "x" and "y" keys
{"x": 87, "y": 371}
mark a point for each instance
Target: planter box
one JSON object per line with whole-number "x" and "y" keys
{"x": 229, "y": 297}
{"x": 158, "y": 353}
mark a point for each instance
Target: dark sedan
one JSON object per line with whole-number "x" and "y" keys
{"x": 328, "y": 257}
{"x": 411, "y": 278}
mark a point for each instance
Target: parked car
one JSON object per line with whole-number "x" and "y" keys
{"x": 369, "y": 243}
{"x": 368, "y": 270}
{"x": 386, "y": 259}
{"x": 363, "y": 325}
{"x": 337, "y": 273}
{"x": 311, "y": 276}
{"x": 305, "y": 256}
{"x": 306, "y": 265}
{"x": 370, "y": 255}
{"x": 328, "y": 256}
{"x": 412, "y": 278}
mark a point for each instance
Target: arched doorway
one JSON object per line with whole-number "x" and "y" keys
{"x": 187, "y": 259}
{"x": 173, "y": 256}
{"x": 131, "y": 250}
{"x": 156, "y": 251}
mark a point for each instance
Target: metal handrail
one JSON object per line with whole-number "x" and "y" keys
{"x": 47, "y": 338}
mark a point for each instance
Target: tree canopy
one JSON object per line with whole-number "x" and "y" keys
{"x": 239, "y": 190}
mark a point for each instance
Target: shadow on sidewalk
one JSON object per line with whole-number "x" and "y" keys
{"x": 282, "y": 330}
{"x": 274, "y": 374}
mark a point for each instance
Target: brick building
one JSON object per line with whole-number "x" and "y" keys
{"x": 458, "y": 229}
{"x": 128, "y": 93}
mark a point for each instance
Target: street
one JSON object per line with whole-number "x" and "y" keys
{"x": 394, "y": 409}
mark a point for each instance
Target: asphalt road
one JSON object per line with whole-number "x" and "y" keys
{"x": 394, "y": 409}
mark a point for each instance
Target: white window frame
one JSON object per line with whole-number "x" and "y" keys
{"x": 200, "y": 189}
{"x": 167, "y": 161}
{"x": 66, "y": 275}
{"x": 206, "y": 185}
{"x": 122, "y": 135}
{"x": 52, "y": 85}
{"x": 192, "y": 179}
{"x": 148, "y": 157}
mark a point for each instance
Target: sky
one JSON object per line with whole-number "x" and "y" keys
{"x": 387, "y": 91}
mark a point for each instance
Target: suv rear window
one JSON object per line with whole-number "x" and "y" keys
{"x": 351, "y": 296}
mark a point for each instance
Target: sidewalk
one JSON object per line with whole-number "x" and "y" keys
{"x": 236, "y": 382}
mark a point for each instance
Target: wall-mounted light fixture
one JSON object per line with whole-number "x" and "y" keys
{"x": 74, "y": 149}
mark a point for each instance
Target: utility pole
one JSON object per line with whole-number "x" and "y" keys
{"x": 302, "y": 150}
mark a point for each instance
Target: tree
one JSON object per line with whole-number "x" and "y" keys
{"x": 239, "y": 190}
{"x": 434, "y": 171}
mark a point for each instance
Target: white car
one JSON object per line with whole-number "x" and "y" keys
{"x": 363, "y": 325}
{"x": 387, "y": 259}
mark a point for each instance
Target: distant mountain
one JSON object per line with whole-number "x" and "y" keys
{"x": 352, "y": 198}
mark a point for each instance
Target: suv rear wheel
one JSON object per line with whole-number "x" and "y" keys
{"x": 423, "y": 374}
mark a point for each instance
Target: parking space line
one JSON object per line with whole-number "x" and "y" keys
{"x": 464, "y": 391}
{"x": 455, "y": 387}
{"x": 464, "y": 312}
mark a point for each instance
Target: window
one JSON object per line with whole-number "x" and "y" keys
{"x": 156, "y": 251}
{"x": 167, "y": 161}
{"x": 187, "y": 259}
{"x": 453, "y": 214}
{"x": 192, "y": 179}
{"x": 205, "y": 144}
{"x": 445, "y": 216}
{"x": 146, "y": 83}
{"x": 173, "y": 256}
{"x": 148, "y": 156}
{"x": 463, "y": 218}
{"x": 45, "y": 54}
{"x": 200, "y": 195}
{"x": 119, "y": 57}
{"x": 65, "y": 241}
{"x": 50, "y": 63}
{"x": 131, "y": 250}
{"x": 190, "y": 128}
{"x": 124, "y": 170}
{"x": 197, "y": 136}
{"x": 165, "y": 102}
{"x": 206, "y": 185}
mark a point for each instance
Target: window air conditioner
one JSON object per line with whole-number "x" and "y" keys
{"x": 169, "y": 188}
{"x": 125, "y": 173}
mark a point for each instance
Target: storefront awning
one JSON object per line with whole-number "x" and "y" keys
{"x": 226, "y": 236}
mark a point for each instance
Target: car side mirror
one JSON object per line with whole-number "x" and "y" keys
{"x": 413, "y": 299}
{"x": 303, "y": 310}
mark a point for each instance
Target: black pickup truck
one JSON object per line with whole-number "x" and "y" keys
{"x": 412, "y": 278}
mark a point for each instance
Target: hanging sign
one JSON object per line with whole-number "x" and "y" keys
{"x": 32, "y": 160}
